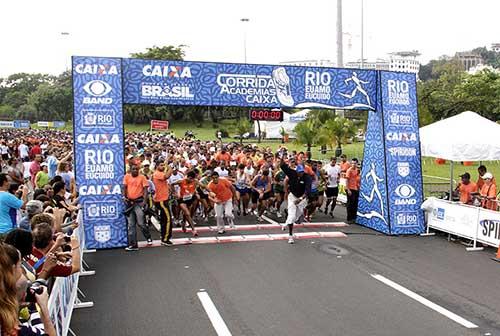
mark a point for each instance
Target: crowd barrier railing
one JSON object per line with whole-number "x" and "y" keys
{"x": 477, "y": 224}
{"x": 65, "y": 295}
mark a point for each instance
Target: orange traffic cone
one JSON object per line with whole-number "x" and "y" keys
{"x": 497, "y": 258}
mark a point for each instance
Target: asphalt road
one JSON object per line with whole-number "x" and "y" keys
{"x": 273, "y": 288}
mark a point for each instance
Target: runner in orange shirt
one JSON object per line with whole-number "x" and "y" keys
{"x": 353, "y": 184}
{"x": 489, "y": 192}
{"x": 222, "y": 193}
{"x": 466, "y": 189}
{"x": 160, "y": 180}
{"x": 135, "y": 193}
{"x": 344, "y": 165}
{"x": 187, "y": 198}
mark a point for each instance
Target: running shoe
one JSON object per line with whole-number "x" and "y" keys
{"x": 131, "y": 248}
{"x": 150, "y": 241}
{"x": 167, "y": 243}
{"x": 221, "y": 231}
{"x": 290, "y": 240}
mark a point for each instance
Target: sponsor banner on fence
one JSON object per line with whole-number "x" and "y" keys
{"x": 22, "y": 124}
{"x": 223, "y": 84}
{"x": 6, "y": 124}
{"x": 489, "y": 227}
{"x": 402, "y": 152}
{"x": 99, "y": 153}
{"x": 64, "y": 292}
{"x": 454, "y": 218}
{"x": 159, "y": 125}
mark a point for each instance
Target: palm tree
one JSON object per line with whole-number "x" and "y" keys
{"x": 307, "y": 133}
{"x": 335, "y": 132}
{"x": 242, "y": 126}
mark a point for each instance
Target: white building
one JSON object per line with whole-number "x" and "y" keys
{"x": 403, "y": 61}
{"x": 313, "y": 63}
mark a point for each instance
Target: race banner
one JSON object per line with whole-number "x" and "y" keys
{"x": 159, "y": 125}
{"x": 99, "y": 153}
{"x": 228, "y": 84}
{"x": 402, "y": 152}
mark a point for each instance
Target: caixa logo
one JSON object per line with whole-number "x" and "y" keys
{"x": 101, "y": 210}
{"x": 96, "y": 69}
{"x": 405, "y": 192}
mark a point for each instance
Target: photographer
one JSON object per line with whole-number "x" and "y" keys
{"x": 46, "y": 245}
{"x": 17, "y": 291}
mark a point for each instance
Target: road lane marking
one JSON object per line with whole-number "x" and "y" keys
{"x": 425, "y": 302}
{"x": 273, "y": 225}
{"x": 245, "y": 238}
{"x": 213, "y": 314}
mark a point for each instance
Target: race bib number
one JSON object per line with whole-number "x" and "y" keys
{"x": 187, "y": 197}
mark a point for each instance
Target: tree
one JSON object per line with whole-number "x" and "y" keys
{"x": 52, "y": 102}
{"x": 335, "y": 132}
{"x": 144, "y": 113}
{"x": 242, "y": 126}
{"x": 167, "y": 52}
{"x": 307, "y": 133}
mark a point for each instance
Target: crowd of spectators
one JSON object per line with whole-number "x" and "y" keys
{"x": 38, "y": 209}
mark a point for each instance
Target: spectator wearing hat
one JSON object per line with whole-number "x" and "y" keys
{"x": 489, "y": 192}
{"x": 42, "y": 177}
{"x": 33, "y": 208}
{"x": 146, "y": 170}
{"x": 480, "y": 180}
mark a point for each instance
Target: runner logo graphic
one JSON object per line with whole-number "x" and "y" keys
{"x": 403, "y": 169}
{"x": 372, "y": 175}
{"x": 283, "y": 89}
{"x": 358, "y": 88}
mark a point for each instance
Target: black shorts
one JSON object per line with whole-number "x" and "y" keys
{"x": 5, "y": 157}
{"x": 187, "y": 202}
{"x": 332, "y": 192}
{"x": 255, "y": 196}
{"x": 202, "y": 194}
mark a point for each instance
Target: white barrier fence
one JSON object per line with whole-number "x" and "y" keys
{"x": 64, "y": 296}
{"x": 474, "y": 223}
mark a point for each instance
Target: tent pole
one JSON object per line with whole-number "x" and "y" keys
{"x": 451, "y": 181}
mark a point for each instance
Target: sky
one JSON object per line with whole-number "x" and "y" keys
{"x": 277, "y": 31}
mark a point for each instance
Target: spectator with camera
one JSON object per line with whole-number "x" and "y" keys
{"x": 46, "y": 245}
{"x": 18, "y": 293}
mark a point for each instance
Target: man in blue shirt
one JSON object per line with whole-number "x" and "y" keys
{"x": 8, "y": 202}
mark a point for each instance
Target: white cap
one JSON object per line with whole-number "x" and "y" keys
{"x": 487, "y": 175}
{"x": 146, "y": 163}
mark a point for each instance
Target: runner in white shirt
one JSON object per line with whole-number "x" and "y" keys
{"x": 332, "y": 188}
{"x": 23, "y": 151}
{"x": 221, "y": 170}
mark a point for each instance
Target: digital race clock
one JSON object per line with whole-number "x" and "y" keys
{"x": 266, "y": 115}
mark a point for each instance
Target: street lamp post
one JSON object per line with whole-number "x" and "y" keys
{"x": 245, "y": 37}
{"x": 65, "y": 36}
{"x": 362, "y": 33}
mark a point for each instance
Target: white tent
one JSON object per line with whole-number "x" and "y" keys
{"x": 464, "y": 137}
{"x": 272, "y": 128}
